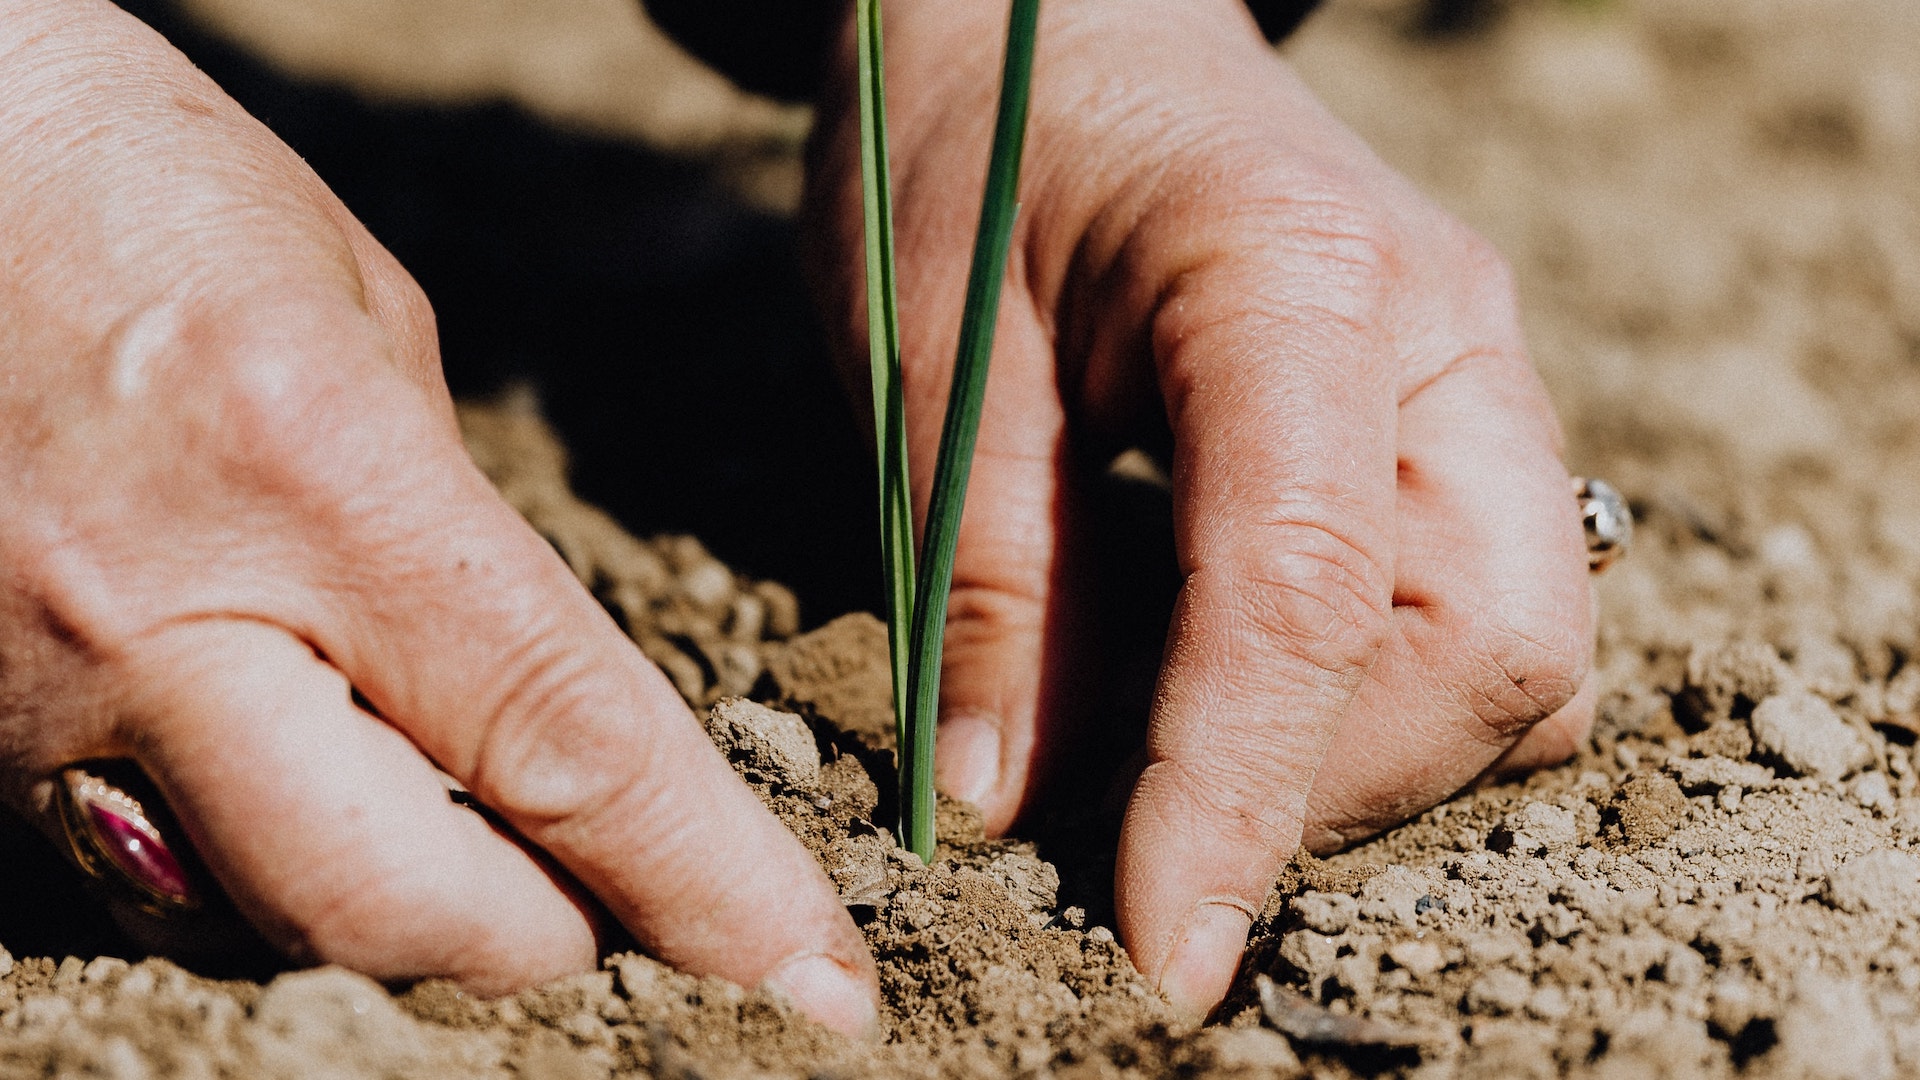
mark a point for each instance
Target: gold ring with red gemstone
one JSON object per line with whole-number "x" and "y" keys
{"x": 117, "y": 842}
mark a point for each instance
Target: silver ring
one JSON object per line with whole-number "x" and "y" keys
{"x": 1607, "y": 520}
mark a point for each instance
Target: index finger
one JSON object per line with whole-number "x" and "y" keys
{"x": 1282, "y": 408}
{"x": 466, "y": 631}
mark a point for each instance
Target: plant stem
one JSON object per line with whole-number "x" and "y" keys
{"x": 991, "y": 243}
{"x": 883, "y": 333}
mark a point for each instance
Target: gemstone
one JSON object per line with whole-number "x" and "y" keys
{"x": 139, "y": 853}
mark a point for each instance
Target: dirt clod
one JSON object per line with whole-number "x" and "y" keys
{"x": 1884, "y": 879}
{"x": 839, "y": 671}
{"x": 766, "y": 745}
{"x": 1804, "y": 732}
{"x": 1650, "y": 807}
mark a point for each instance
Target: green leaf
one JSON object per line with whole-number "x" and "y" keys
{"x": 883, "y": 345}
{"x": 957, "y": 436}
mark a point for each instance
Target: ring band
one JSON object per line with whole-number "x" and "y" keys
{"x": 115, "y": 841}
{"x": 1607, "y": 520}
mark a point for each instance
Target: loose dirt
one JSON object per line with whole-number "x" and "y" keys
{"x": 1712, "y": 214}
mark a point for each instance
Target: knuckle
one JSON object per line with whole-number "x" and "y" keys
{"x": 400, "y": 307}
{"x": 1333, "y": 232}
{"x": 1478, "y": 261}
{"x": 296, "y": 409}
{"x": 1321, "y": 596}
{"x": 1234, "y": 797}
{"x": 275, "y": 403}
{"x": 271, "y": 405}
{"x": 408, "y": 309}
{"x": 553, "y": 749}
{"x": 1328, "y": 219}
{"x": 1491, "y": 295}
{"x": 1292, "y": 191}
{"x": 388, "y": 918}
{"x": 989, "y": 612}
{"x": 1327, "y": 252}
{"x": 1314, "y": 258}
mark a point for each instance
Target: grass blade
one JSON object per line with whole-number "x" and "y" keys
{"x": 991, "y": 243}
{"x": 883, "y": 345}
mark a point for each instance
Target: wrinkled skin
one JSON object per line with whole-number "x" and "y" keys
{"x": 1384, "y": 587}
{"x": 234, "y": 490}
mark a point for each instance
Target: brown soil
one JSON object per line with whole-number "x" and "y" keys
{"x": 1711, "y": 212}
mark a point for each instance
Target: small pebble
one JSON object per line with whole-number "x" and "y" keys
{"x": 1536, "y": 829}
{"x": 1549, "y": 1003}
{"x": 67, "y": 975}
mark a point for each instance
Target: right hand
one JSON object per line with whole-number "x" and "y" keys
{"x": 234, "y": 492}
{"x": 1383, "y": 583}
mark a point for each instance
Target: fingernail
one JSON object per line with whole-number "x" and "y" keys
{"x": 967, "y": 763}
{"x": 1205, "y": 954}
{"x": 819, "y": 986}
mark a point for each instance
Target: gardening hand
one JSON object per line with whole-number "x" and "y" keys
{"x": 234, "y": 489}
{"x": 1383, "y": 575}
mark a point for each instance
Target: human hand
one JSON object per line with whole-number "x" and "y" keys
{"x": 235, "y": 493}
{"x": 1384, "y": 581}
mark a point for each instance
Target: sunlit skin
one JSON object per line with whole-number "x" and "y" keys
{"x": 1385, "y": 583}
{"x": 234, "y": 489}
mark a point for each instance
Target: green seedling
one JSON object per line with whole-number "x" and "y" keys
{"x": 917, "y": 602}
{"x": 883, "y": 345}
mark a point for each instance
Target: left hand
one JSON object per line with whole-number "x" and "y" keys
{"x": 242, "y": 546}
{"x": 1384, "y": 582}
